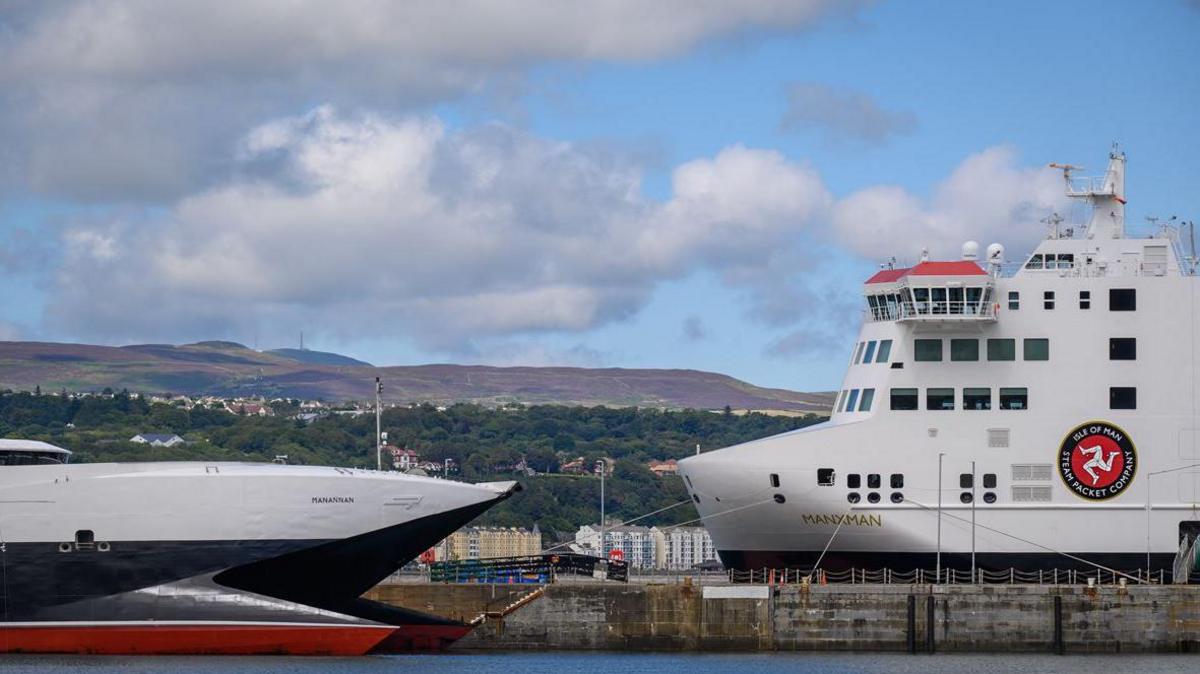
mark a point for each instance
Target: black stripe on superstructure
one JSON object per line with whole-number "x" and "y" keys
{"x": 747, "y": 560}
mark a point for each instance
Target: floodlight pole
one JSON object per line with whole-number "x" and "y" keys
{"x": 972, "y": 522}
{"x": 938, "y": 573}
{"x": 378, "y": 425}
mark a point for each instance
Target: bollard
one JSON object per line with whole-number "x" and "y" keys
{"x": 911, "y": 636}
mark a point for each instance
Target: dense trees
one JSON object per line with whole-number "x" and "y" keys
{"x": 485, "y": 443}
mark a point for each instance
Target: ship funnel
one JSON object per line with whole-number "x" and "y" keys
{"x": 970, "y": 250}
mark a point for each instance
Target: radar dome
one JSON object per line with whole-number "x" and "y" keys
{"x": 970, "y": 250}
{"x": 995, "y": 253}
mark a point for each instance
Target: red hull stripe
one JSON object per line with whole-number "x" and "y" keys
{"x": 194, "y": 639}
{"x": 409, "y": 638}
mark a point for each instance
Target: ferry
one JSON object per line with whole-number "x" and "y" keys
{"x": 1033, "y": 415}
{"x": 215, "y": 557}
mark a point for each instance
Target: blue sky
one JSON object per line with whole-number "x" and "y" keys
{"x": 614, "y": 185}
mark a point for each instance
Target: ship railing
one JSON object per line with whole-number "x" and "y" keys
{"x": 948, "y": 576}
{"x": 933, "y": 310}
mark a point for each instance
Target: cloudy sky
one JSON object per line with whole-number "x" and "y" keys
{"x": 680, "y": 183}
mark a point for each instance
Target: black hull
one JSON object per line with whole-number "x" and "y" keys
{"x": 750, "y": 560}
{"x": 294, "y": 581}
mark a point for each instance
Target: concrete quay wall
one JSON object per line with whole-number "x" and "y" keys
{"x": 990, "y": 618}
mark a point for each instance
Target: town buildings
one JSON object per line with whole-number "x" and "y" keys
{"x": 489, "y": 542}
{"x": 673, "y": 548}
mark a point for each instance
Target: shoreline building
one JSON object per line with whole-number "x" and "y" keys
{"x": 488, "y": 543}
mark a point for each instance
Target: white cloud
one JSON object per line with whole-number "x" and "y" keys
{"x": 376, "y": 225}
{"x": 843, "y": 114}
{"x": 987, "y": 198}
{"x": 139, "y": 99}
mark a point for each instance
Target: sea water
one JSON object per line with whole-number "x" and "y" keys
{"x": 610, "y": 663}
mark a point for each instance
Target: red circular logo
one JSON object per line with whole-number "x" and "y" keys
{"x": 1097, "y": 460}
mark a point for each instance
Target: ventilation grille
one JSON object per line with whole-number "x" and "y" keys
{"x": 1030, "y": 494}
{"x": 1031, "y": 472}
{"x": 997, "y": 437}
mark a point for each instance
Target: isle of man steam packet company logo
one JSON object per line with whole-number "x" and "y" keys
{"x": 1097, "y": 460}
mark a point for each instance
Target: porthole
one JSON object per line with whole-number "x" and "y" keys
{"x": 989, "y": 497}
{"x": 873, "y": 497}
{"x": 103, "y": 546}
{"x": 966, "y": 497}
{"x": 853, "y": 497}
{"x": 780, "y": 498}
{"x": 64, "y": 547}
{"x": 897, "y": 497}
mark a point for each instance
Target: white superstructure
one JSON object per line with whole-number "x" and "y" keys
{"x": 1058, "y": 403}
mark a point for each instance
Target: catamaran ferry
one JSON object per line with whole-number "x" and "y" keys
{"x": 1036, "y": 419}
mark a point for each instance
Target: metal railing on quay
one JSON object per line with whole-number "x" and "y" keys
{"x": 1011, "y": 576}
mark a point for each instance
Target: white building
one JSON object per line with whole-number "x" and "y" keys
{"x": 641, "y": 547}
{"x": 687, "y": 547}
{"x": 157, "y": 439}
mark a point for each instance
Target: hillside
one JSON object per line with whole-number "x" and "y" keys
{"x": 231, "y": 369}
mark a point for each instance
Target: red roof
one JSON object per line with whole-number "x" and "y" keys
{"x": 956, "y": 268}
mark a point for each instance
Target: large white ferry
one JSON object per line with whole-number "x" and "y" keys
{"x": 1054, "y": 407}
{"x": 178, "y": 557}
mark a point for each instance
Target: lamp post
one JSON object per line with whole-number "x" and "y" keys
{"x": 972, "y": 522}
{"x": 938, "y": 572}
{"x": 378, "y": 425}
{"x": 1148, "y": 476}
{"x": 600, "y": 466}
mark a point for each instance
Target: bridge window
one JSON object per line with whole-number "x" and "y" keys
{"x": 1085, "y": 299}
{"x": 964, "y": 349}
{"x": 1122, "y": 398}
{"x": 977, "y": 398}
{"x": 904, "y": 398}
{"x": 1122, "y": 299}
{"x": 868, "y": 396}
{"x": 870, "y": 353}
{"x": 1014, "y": 398}
{"x": 927, "y": 350}
{"x": 1048, "y": 299}
{"x": 1014, "y": 300}
{"x": 1037, "y": 348}
{"x": 885, "y": 351}
{"x": 1035, "y": 262}
{"x": 858, "y": 353}
{"x": 1002, "y": 349}
{"x": 851, "y": 400}
{"x": 939, "y": 399}
{"x": 1122, "y": 348}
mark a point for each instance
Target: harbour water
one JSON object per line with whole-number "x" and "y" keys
{"x": 608, "y": 663}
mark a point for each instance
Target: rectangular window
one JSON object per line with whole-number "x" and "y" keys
{"x": 1035, "y": 262}
{"x": 852, "y": 400}
{"x": 904, "y": 398}
{"x": 868, "y": 396}
{"x": 897, "y": 481}
{"x": 870, "y": 353}
{"x": 873, "y": 481}
{"x": 966, "y": 480}
{"x": 885, "y": 351}
{"x": 1122, "y": 299}
{"x": 1048, "y": 299}
{"x": 1014, "y": 398}
{"x": 939, "y": 399}
{"x": 989, "y": 480}
{"x": 977, "y": 399}
{"x": 825, "y": 477}
{"x": 964, "y": 349}
{"x": 841, "y": 402}
{"x": 928, "y": 350}
{"x": 854, "y": 480}
{"x": 1014, "y": 300}
{"x": 1122, "y": 398}
{"x": 775, "y": 480}
{"x": 1085, "y": 299}
{"x": 858, "y": 353}
{"x": 1122, "y": 348}
{"x": 1002, "y": 349}
{"x": 1037, "y": 348}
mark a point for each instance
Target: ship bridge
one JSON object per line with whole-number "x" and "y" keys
{"x": 947, "y": 292}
